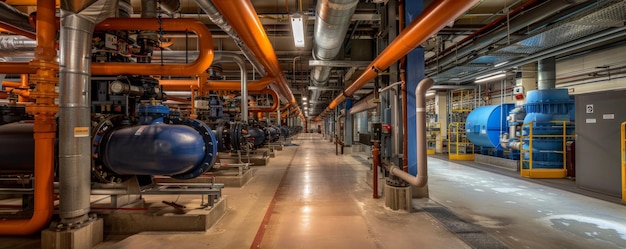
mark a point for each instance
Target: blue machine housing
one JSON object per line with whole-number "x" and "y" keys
{"x": 543, "y": 107}
{"x": 181, "y": 148}
{"x": 484, "y": 126}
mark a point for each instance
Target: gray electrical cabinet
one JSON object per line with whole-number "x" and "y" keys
{"x": 598, "y": 122}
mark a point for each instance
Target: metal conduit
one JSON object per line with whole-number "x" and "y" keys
{"x": 433, "y": 18}
{"x": 77, "y": 28}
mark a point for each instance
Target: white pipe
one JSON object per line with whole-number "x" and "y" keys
{"x": 244, "y": 79}
{"x": 421, "y": 179}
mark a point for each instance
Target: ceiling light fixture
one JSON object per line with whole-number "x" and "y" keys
{"x": 490, "y": 77}
{"x": 501, "y": 63}
{"x": 297, "y": 27}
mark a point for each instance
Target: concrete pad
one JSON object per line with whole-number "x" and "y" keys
{"x": 84, "y": 237}
{"x": 164, "y": 219}
{"x": 499, "y": 162}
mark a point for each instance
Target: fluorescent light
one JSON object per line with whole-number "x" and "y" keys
{"x": 501, "y": 63}
{"x": 297, "y": 27}
{"x": 490, "y": 78}
{"x": 304, "y": 98}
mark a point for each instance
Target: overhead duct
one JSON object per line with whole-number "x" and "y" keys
{"x": 546, "y": 77}
{"x": 78, "y": 20}
{"x": 331, "y": 25}
{"x": 15, "y": 21}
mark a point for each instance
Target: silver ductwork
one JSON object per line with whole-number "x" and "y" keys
{"x": 546, "y": 77}
{"x": 331, "y": 24}
{"x": 216, "y": 17}
{"x": 77, "y": 25}
{"x": 15, "y": 18}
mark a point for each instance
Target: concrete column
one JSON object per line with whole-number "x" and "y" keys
{"x": 441, "y": 109}
{"x": 348, "y": 127}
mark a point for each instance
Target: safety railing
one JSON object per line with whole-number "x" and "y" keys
{"x": 433, "y": 137}
{"x": 623, "y": 145}
{"x": 539, "y": 163}
{"x": 459, "y": 147}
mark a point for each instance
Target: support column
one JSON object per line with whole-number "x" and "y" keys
{"x": 414, "y": 74}
{"x": 527, "y": 82}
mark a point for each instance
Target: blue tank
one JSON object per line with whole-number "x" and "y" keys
{"x": 485, "y": 124}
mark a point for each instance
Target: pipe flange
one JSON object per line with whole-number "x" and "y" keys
{"x": 104, "y": 125}
{"x": 210, "y": 150}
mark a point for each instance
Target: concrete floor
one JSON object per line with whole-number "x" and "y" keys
{"x": 307, "y": 197}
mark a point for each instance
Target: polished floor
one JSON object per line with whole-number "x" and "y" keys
{"x": 308, "y": 197}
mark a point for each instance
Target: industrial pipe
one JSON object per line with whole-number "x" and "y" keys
{"x": 44, "y": 127}
{"x": 205, "y": 47}
{"x": 77, "y": 26}
{"x": 436, "y": 16}
{"x": 546, "y": 76}
{"x": 244, "y": 82}
{"x": 421, "y": 178}
{"x": 244, "y": 20}
{"x": 184, "y": 85}
{"x": 217, "y": 19}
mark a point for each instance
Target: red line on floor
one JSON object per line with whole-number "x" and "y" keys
{"x": 256, "y": 243}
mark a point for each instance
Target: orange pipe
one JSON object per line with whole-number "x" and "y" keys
{"x": 183, "y": 85}
{"x": 436, "y": 16}
{"x": 205, "y": 56}
{"x": 11, "y": 84}
{"x": 274, "y": 106}
{"x": 27, "y": 2}
{"x": 285, "y": 107}
{"x": 205, "y": 47}
{"x": 241, "y": 15}
{"x": 44, "y": 127}
{"x": 24, "y": 88}
{"x": 4, "y": 95}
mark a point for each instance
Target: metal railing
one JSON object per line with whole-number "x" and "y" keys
{"x": 527, "y": 168}
{"x": 459, "y": 146}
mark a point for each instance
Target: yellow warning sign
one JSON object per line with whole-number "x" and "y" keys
{"x": 81, "y": 131}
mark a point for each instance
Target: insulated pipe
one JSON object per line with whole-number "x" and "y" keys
{"x": 546, "y": 76}
{"x": 331, "y": 25}
{"x": 421, "y": 179}
{"x": 205, "y": 47}
{"x": 170, "y": 6}
{"x": 15, "y": 21}
{"x": 217, "y": 19}
{"x": 244, "y": 20}
{"x": 74, "y": 139}
{"x": 434, "y": 18}
{"x": 44, "y": 127}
